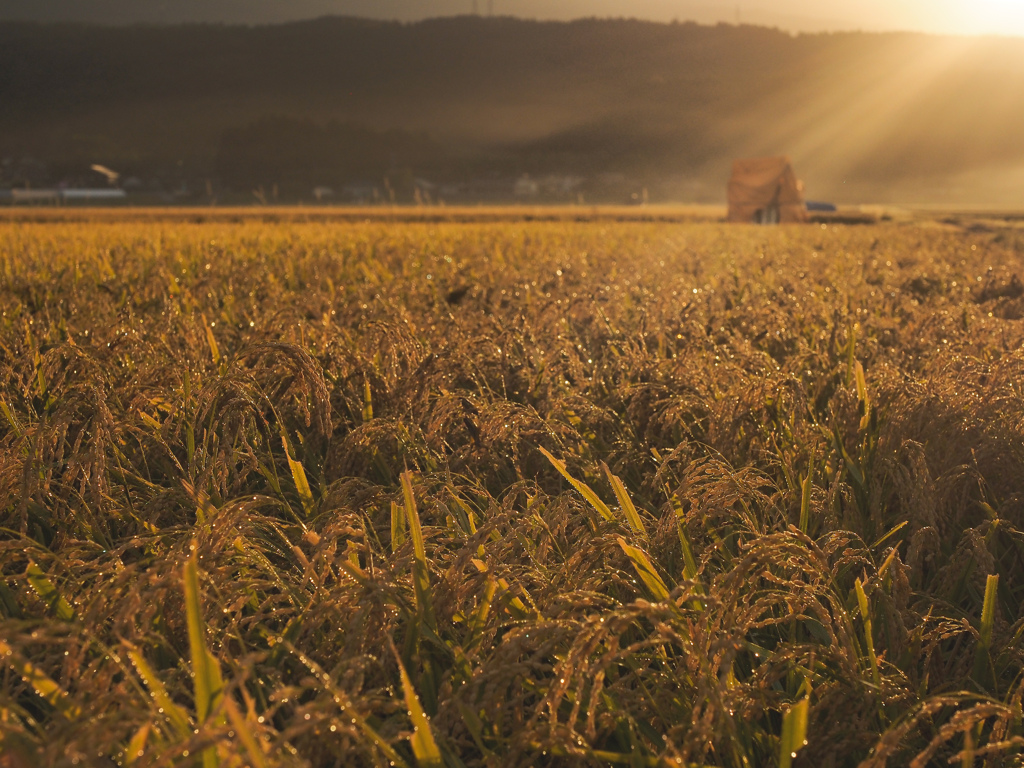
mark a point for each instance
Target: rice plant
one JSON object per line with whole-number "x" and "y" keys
{"x": 596, "y": 493}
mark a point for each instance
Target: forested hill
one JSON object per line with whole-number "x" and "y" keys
{"x": 341, "y": 100}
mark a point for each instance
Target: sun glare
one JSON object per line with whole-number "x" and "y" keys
{"x": 999, "y": 17}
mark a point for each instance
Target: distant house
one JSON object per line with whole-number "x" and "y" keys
{"x": 361, "y": 193}
{"x": 561, "y": 186}
{"x": 451, "y": 191}
{"x": 58, "y": 196}
{"x": 92, "y": 195}
{"x": 35, "y": 196}
{"x": 765, "y": 190}
{"x": 526, "y": 187}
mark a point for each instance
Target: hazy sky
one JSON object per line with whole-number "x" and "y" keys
{"x": 947, "y": 16}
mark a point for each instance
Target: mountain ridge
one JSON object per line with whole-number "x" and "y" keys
{"x": 126, "y": 12}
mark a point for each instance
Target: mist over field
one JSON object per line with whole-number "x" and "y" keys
{"x": 605, "y": 106}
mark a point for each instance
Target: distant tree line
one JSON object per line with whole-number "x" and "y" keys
{"x": 340, "y": 100}
{"x": 300, "y": 154}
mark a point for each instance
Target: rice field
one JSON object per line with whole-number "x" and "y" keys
{"x": 547, "y": 493}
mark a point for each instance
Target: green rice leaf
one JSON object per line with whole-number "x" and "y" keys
{"x": 862, "y": 394}
{"x": 869, "y": 640}
{"x": 12, "y": 420}
{"x": 207, "y": 682}
{"x": 625, "y": 503}
{"x": 479, "y": 617}
{"x": 298, "y": 476}
{"x": 584, "y": 489}
{"x": 891, "y": 533}
{"x": 794, "y": 732}
{"x": 175, "y": 714}
{"x": 516, "y": 607}
{"x": 424, "y": 747}
{"x": 983, "y": 673}
{"x": 205, "y": 669}
{"x": 421, "y": 571}
{"x": 988, "y": 612}
{"x": 645, "y": 570}
{"x": 137, "y": 746}
{"x": 211, "y": 340}
{"x": 44, "y": 687}
{"x": 367, "y": 401}
{"x": 49, "y": 594}
{"x": 689, "y": 561}
{"x": 397, "y": 527}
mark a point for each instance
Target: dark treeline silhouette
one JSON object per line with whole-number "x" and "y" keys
{"x": 296, "y": 154}
{"x": 339, "y": 100}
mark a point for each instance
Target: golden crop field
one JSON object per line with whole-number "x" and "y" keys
{"x": 510, "y": 493}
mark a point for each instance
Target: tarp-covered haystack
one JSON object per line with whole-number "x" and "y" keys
{"x": 764, "y": 190}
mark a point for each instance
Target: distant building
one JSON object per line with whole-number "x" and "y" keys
{"x": 526, "y": 187}
{"x": 58, "y": 196}
{"x": 561, "y": 186}
{"x": 451, "y": 191}
{"x": 361, "y": 193}
{"x": 92, "y": 195}
{"x": 765, "y": 190}
{"x": 35, "y": 196}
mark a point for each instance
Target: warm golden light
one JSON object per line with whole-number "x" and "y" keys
{"x": 1010, "y": 12}
{"x": 1000, "y": 17}
{"x": 946, "y": 17}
